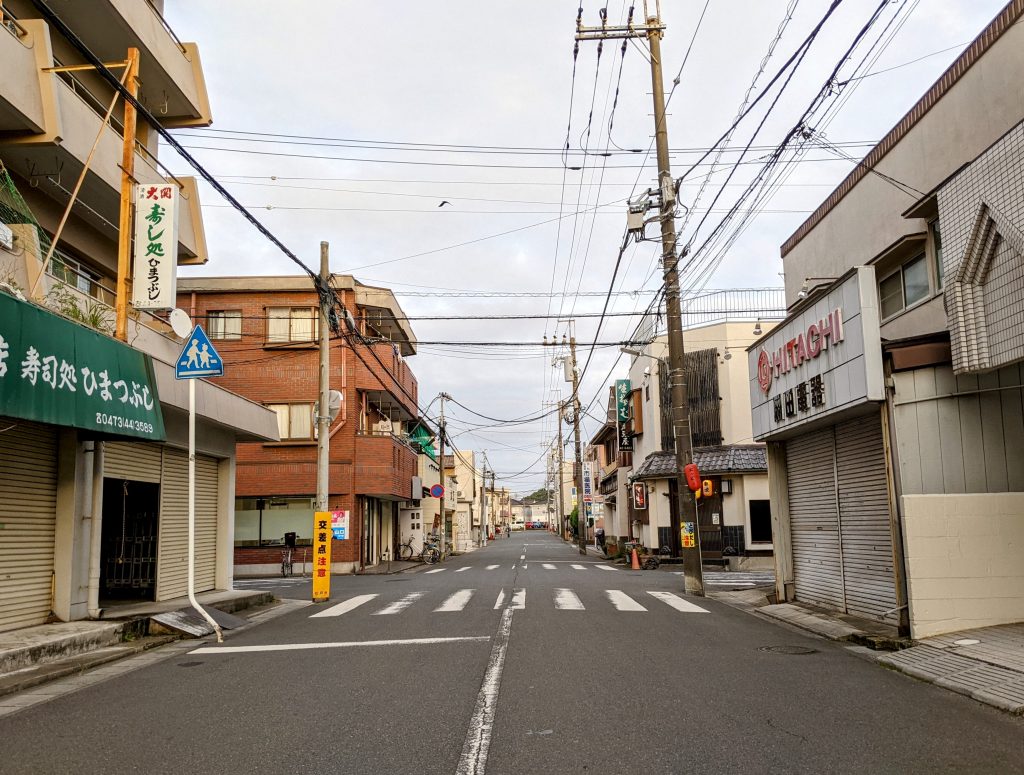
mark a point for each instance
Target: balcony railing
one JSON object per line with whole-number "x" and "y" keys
{"x": 10, "y": 23}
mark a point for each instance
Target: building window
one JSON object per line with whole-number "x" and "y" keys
{"x": 291, "y": 324}
{"x": 760, "y": 522}
{"x": 933, "y": 227}
{"x": 904, "y": 287}
{"x": 225, "y": 324}
{"x": 294, "y": 421}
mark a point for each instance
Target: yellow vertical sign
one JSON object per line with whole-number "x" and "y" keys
{"x": 321, "y": 556}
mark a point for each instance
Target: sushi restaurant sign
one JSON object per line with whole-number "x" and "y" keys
{"x": 58, "y": 372}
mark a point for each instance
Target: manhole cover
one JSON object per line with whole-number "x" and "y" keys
{"x": 791, "y": 650}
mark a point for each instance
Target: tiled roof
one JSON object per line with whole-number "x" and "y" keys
{"x": 733, "y": 458}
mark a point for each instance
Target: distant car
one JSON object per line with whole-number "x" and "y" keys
{"x": 537, "y": 525}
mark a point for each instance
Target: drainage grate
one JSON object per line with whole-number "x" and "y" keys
{"x": 790, "y": 650}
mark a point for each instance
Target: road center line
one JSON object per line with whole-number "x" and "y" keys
{"x": 336, "y": 645}
{"x": 478, "y": 737}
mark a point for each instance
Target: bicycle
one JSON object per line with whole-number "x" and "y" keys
{"x": 286, "y": 563}
{"x": 405, "y": 551}
{"x": 430, "y": 553}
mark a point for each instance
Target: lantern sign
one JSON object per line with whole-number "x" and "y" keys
{"x": 692, "y": 477}
{"x": 155, "y": 279}
{"x": 708, "y": 488}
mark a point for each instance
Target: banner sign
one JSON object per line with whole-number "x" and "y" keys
{"x": 62, "y": 373}
{"x": 155, "y": 279}
{"x": 623, "y": 389}
{"x": 688, "y": 533}
{"x": 625, "y": 437}
{"x": 321, "y": 557}
{"x": 588, "y": 481}
{"x": 339, "y": 525}
{"x": 639, "y": 496}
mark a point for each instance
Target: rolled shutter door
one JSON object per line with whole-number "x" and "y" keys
{"x": 864, "y": 516}
{"x": 134, "y": 462}
{"x": 172, "y": 574}
{"x": 28, "y": 481}
{"x": 814, "y": 519}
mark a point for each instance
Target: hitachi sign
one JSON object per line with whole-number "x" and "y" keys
{"x": 803, "y": 347}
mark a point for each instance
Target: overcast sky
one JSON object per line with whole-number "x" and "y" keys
{"x": 419, "y": 103}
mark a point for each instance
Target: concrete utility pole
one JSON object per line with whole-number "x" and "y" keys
{"x": 444, "y": 480}
{"x": 577, "y": 468}
{"x": 687, "y": 503}
{"x": 323, "y": 415}
{"x": 561, "y": 468}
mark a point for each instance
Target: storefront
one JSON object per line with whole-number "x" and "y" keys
{"x": 817, "y": 396}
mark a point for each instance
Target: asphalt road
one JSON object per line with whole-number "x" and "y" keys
{"x": 546, "y": 663}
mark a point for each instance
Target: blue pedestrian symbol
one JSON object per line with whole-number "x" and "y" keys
{"x": 198, "y": 358}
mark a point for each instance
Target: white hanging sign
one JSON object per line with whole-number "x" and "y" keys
{"x": 155, "y": 279}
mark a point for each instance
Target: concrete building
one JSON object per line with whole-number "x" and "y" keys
{"x": 468, "y": 523}
{"x": 266, "y": 331}
{"x": 891, "y": 396}
{"x": 93, "y": 459}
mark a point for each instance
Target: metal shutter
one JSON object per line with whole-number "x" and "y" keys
{"x": 864, "y": 516}
{"x": 28, "y": 481}
{"x": 814, "y": 519}
{"x": 172, "y": 572}
{"x": 134, "y": 462}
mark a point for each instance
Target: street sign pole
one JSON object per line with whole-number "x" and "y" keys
{"x": 198, "y": 358}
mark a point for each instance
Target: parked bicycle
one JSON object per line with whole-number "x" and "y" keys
{"x": 286, "y": 563}
{"x": 431, "y": 551}
{"x": 405, "y": 551}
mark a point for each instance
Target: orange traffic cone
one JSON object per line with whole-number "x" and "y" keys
{"x": 635, "y": 563}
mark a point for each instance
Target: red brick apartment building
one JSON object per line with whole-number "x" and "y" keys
{"x": 265, "y": 328}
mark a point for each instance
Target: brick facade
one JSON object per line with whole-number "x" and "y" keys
{"x": 365, "y": 465}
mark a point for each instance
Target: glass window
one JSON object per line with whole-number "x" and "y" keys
{"x": 291, "y": 324}
{"x": 915, "y": 280}
{"x": 225, "y": 324}
{"x": 891, "y": 292}
{"x": 294, "y": 421}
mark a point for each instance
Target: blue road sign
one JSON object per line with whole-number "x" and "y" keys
{"x": 198, "y": 358}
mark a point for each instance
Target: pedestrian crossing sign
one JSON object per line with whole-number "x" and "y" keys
{"x": 198, "y": 357}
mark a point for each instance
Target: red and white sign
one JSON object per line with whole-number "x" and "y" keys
{"x": 805, "y": 346}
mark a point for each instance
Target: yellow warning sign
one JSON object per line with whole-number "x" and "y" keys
{"x": 321, "y": 556}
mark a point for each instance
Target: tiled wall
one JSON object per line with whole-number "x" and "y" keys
{"x": 981, "y": 214}
{"x": 965, "y": 561}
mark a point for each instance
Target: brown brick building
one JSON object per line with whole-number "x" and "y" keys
{"x": 265, "y": 328}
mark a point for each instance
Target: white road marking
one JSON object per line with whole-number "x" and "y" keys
{"x": 606, "y": 567}
{"x": 548, "y": 566}
{"x": 492, "y": 567}
{"x": 464, "y": 567}
{"x": 622, "y": 601}
{"x": 518, "y": 598}
{"x": 345, "y": 607}
{"x": 523, "y": 557}
{"x": 501, "y": 599}
{"x": 400, "y": 605}
{"x": 437, "y": 570}
{"x": 478, "y": 737}
{"x": 567, "y": 600}
{"x": 456, "y": 601}
{"x": 578, "y": 567}
{"x": 677, "y": 602}
{"x": 524, "y": 566}
{"x": 337, "y": 645}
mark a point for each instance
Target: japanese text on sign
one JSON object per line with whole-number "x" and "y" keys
{"x": 156, "y": 246}
{"x": 321, "y": 556}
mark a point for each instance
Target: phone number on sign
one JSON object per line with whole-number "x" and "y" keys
{"x": 117, "y": 421}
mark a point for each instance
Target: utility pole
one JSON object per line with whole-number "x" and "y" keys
{"x": 687, "y": 503}
{"x": 124, "y": 235}
{"x": 444, "y": 479}
{"x": 577, "y": 468}
{"x": 561, "y": 468}
{"x": 323, "y": 415}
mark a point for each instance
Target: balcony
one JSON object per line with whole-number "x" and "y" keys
{"x": 24, "y": 50}
{"x": 170, "y": 72}
{"x": 391, "y": 387}
{"x": 384, "y": 466}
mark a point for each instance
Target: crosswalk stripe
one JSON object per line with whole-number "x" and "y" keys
{"x": 518, "y": 599}
{"x": 464, "y": 567}
{"x": 492, "y": 567}
{"x": 606, "y": 567}
{"x": 344, "y": 607}
{"x": 501, "y": 599}
{"x": 677, "y": 602}
{"x": 567, "y": 600}
{"x": 578, "y": 567}
{"x": 548, "y": 566}
{"x": 400, "y": 605}
{"x": 456, "y": 601}
{"x": 622, "y": 601}
{"x": 437, "y": 570}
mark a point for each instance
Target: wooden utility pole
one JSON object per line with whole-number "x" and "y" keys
{"x": 323, "y": 415}
{"x": 124, "y": 237}
{"x": 653, "y": 30}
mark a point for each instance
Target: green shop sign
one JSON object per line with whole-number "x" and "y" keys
{"x": 58, "y": 372}
{"x": 622, "y": 407}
